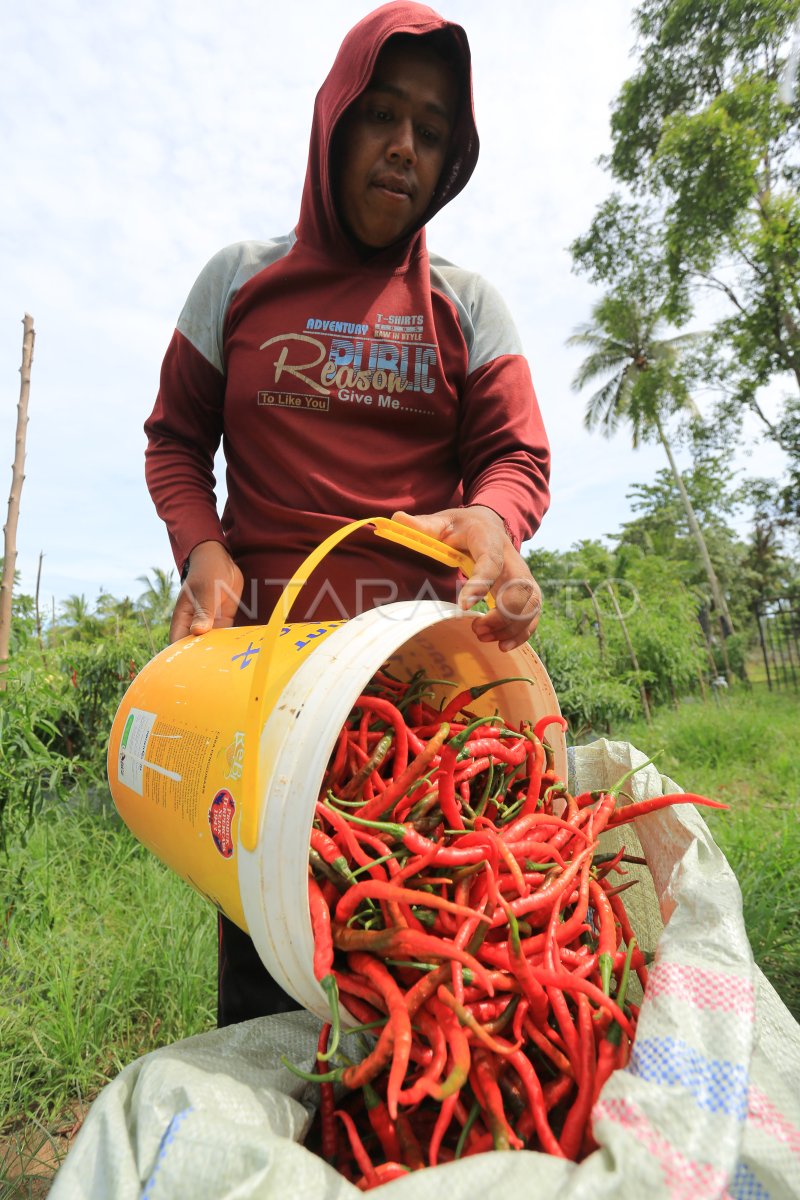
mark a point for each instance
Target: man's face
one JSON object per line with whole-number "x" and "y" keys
{"x": 394, "y": 143}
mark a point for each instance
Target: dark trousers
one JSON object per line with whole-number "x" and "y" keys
{"x": 245, "y": 988}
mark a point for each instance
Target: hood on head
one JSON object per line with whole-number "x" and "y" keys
{"x": 351, "y": 72}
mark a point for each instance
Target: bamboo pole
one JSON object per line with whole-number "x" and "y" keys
{"x": 17, "y": 478}
{"x": 757, "y": 610}
{"x": 601, "y": 641}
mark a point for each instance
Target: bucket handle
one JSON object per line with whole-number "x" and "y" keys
{"x": 384, "y": 527}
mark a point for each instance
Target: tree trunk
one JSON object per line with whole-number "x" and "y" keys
{"x": 631, "y": 653}
{"x": 17, "y": 477}
{"x": 720, "y": 603}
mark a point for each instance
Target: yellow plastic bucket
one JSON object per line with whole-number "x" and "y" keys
{"x": 219, "y": 747}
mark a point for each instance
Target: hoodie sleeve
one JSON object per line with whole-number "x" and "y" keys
{"x": 183, "y": 433}
{"x": 185, "y": 427}
{"x": 505, "y": 454}
{"x": 503, "y": 448}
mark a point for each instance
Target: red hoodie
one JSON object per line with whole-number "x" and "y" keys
{"x": 344, "y": 386}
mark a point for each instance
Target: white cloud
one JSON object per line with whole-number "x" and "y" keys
{"x": 139, "y": 138}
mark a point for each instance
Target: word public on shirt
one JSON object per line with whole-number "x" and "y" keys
{"x": 336, "y": 358}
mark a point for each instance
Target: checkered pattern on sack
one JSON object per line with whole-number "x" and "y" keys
{"x": 745, "y": 1186}
{"x": 702, "y": 988}
{"x": 716, "y": 1084}
{"x": 767, "y": 1119}
{"x": 685, "y": 1179}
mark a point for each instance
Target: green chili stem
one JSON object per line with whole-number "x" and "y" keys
{"x": 470, "y": 1121}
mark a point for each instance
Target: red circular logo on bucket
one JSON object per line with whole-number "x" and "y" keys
{"x": 220, "y": 819}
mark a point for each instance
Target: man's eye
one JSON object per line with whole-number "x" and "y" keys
{"x": 431, "y": 136}
{"x": 381, "y": 114}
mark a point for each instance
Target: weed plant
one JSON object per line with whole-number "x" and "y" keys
{"x": 105, "y": 955}
{"x": 743, "y": 750}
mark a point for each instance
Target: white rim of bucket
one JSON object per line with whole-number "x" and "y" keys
{"x": 297, "y": 741}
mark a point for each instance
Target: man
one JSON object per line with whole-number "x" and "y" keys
{"x": 350, "y": 374}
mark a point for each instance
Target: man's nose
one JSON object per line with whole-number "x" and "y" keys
{"x": 401, "y": 145}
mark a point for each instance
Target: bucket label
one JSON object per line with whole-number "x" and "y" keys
{"x": 132, "y": 758}
{"x": 220, "y": 819}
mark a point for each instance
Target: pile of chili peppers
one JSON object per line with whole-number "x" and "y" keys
{"x": 464, "y": 914}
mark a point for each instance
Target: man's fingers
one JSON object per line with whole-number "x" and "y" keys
{"x": 436, "y": 525}
{"x": 191, "y": 615}
{"x": 488, "y": 569}
{"x": 519, "y": 599}
{"x": 499, "y": 569}
{"x": 518, "y": 606}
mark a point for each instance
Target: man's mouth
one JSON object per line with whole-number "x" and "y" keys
{"x": 393, "y": 184}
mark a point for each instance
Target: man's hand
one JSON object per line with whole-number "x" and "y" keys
{"x": 210, "y": 594}
{"x": 498, "y": 568}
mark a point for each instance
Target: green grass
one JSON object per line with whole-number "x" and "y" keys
{"x": 744, "y": 751}
{"x": 105, "y": 955}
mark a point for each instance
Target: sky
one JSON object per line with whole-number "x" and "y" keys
{"x": 138, "y": 139}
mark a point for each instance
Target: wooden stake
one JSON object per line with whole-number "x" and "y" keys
{"x": 631, "y": 652}
{"x": 36, "y": 604}
{"x": 17, "y": 477}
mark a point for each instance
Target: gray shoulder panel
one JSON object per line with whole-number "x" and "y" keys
{"x": 486, "y": 323}
{"x": 203, "y": 315}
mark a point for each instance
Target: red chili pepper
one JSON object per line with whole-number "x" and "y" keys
{"x": 412, "y": 1151}
{"x": 440, "y": 1128}
{"x": 536, "y": 1105}
{"x": 642, "y": 807}
{"x": 465, "y": 1017}
{"x": 402, "y": 782}
{"x": 323, "y": 955}
{"x": 627, "y": 932}
{"x": 474, "y": 693}
{"x": 484, "y": 1074}
{"x": 353, "y": 985}
{"x": 460, "y": 1055}
{"x": 542, "y": 822}
{"x": 541, "y": 725}
{"x": 327, "y": 1104}
{"x": 357, "y": 1146}
{"x": 374, "y": 889}
{"x": 550, "y": 893}
{"x": 578, "y": 1115}
{"x": 559, "y": 1060}
{"x": 536, "y": 764}
{"x": 339, "y": 759}
{"x": 431, "y": 1074}
{"x": 607, "y": 933}
{"x": 327, "y": 848}
{"x": 558, "y": 1002}
{"x": 366, "y": 775}
{"x": 381, "y": 1122}
{"x": 389, "y": 712}
{"x": 532, "y": 990}
{"x": 345, "y": 832}
{"x": 513, "y": 754}
{"x": 377, "y": 974}
{"x": 384, "y": 1173}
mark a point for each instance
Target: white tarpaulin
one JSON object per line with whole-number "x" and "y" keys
{"x": 708, "y": 1106}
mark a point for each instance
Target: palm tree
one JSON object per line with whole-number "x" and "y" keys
{"x": 78, "y": 617}
{"x": 158, "y": 600}
{"x": 643, "y": 386}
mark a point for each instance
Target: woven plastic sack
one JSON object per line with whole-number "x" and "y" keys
{"x": 708, "y": 1106}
